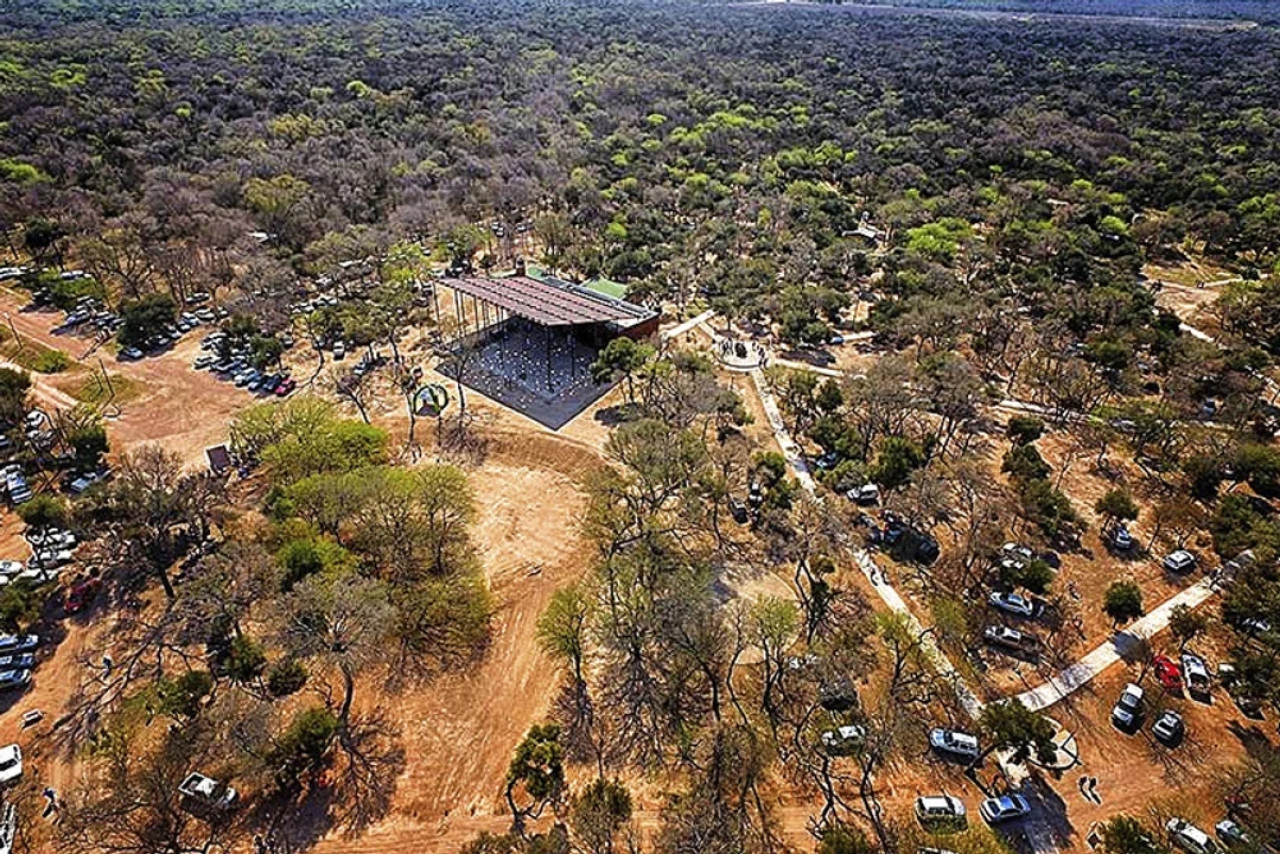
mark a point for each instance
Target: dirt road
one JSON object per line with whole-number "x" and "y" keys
{"x": 184, "y": 409}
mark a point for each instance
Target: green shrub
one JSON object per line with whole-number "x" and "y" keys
{"x": 1123, "y": 601}
{"x": 286, "y": 677}
{"x": 247, "y": 659}
{"x": 51, "y": 362}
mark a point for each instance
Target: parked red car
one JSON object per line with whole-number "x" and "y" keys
{"x": 285, "y": 387}
{"x": 1168, "y": 673}
{"x": 81, "y": 595}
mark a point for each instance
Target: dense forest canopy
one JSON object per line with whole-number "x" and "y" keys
{"x": 649, "y": 131}
{"x": 992, "y": 201}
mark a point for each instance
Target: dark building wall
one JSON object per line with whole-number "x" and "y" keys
{"x": 643, "y": 330}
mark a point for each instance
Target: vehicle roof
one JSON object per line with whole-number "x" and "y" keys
{"x": 1190, "y": 831}
{"x": 1008, "y": 801}
{"x": 946, "y": 801}
{"x": 9, "y": 752}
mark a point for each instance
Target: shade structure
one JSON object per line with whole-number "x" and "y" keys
{"x": 547, "y": 303}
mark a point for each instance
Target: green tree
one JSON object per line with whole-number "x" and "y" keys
{"x": 897, "y": 458}
{"x": 14, "y": 387}
{"x": 1186, "y": 625}
{"x": 1010, "y": 725}
{"x": 19, "y": 606}
{"x": 600, "y": 814}
{"x": 286, "y": 677}
{"x": 563, "y": 633}
{"x": 621, "y": 358}
{"x": 1023, "y": 463}
{"x": 1260, "y": 466}
{"x": 304, "y": 745}
{"x": 843, "y": 839}
{"x": 45, "y": 511}
{"x": 247, "y": 659}
{"x": 538, "y": 768}
{"x": 306, "y": 556}
{"x": 1035, "y": 575}
{"x": 142, "y": 319}
{"x": 184, "y": 696}
{"x": 1126, "y": 835}
{"x": 1122, "y": 601}
{"x": 1024, "y": 429}
{"x": 90, "y": 443}
{"x": 1117, "y": 505}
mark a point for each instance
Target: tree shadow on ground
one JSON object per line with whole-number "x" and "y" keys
{"x": 612, "y": 416}
{"x": 354, "y": 793}
{"x": 1052, "y": 810}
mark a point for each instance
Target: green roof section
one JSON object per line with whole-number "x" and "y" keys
{"x": 608, "y": 287}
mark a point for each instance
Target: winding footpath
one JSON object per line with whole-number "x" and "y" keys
{"x": 892, "y": 599}
{"x": 1072, "y": 678}
{"x": 1059, "y": 686}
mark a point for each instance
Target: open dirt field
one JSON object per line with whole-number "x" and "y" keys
{"x": 458, "y": 732}
{"x": 167, "y": 401}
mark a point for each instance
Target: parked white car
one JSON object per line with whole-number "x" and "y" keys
{"x": 954, "y": 742}
{"x": 845, "y": 739}
{"x": 50, "y": 558}
{"x": 1179, "y": 561}
{"x": 1195, "y": 673}
{"x": 1015, "y": 556}
{"x": 934, "y": 808}
{"x": 865, "y": 495}
{"x": 50, "y": 538}
{"x": 1012, "y": 603}
{"x": 1169, "y": 728}
{"x": 1185, "y": 835}
{"x": 1127, "y": 707}
{"x": 10, "y": 764}
{"x": 207, "y": 793}
{"x": 1004, "y": 808}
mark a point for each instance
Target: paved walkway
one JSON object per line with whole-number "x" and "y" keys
{"x": 1077, "y": 675}
{"x": 1195, "y": 333}
{"x": 1068, "y": 680}
{"x": 968, "y": 699}
{"x": 805, "y": 366}
{"x": 689, "y": 325}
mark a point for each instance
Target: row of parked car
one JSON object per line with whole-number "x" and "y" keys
{"x": 185, "y": 322}
{"x": 238, "y": 370}
{"x": 933, "y": 811}
{"x": 51, "y": 550}
{"x": 951, "y": 743}
{"x": 91, "y": 311}
{"x": 17, "y": 660}
{"x": 893, "y": 533}
{"x": 1231, "y": 836}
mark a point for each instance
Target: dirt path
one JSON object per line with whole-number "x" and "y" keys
{"x": 459, "y": 733}
{"x": 184, "y": 409}
{"x": 1111, "y": 652}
